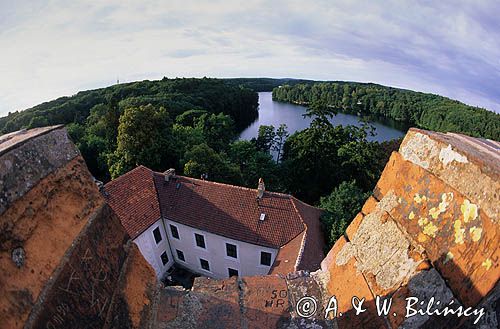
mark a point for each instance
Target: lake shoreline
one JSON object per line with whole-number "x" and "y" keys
{"x": 273, "y": 112}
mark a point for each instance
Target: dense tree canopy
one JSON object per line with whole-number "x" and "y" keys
{"x": 427, "y": 111}
{"x": 340, "y": 206}
{"x": 144, "y": 138}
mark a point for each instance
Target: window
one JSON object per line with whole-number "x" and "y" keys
{"x": 180, "y": 255}
{"x": 232, "y": 272}
{"x": 164, "y": 258}
{"x": 157, "y": 235}
{"x": 204, "y": 264}
{"x": 231, "y": 250}
{"x": 200, "y": 240}
{"x": 173, "y": 230}
{"x": 265, "y": 258}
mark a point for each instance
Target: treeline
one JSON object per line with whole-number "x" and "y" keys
{"x": 177, "y": 95}
{"x": 264, "y": 84}
{"x": 102, "y": 121}
{"x": 427, "y": 111}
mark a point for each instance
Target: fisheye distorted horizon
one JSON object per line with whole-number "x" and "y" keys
{"x": 56, "y": 48}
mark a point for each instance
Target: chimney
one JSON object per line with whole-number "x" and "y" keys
{"x": 169, "y": 174}
{"x": 261, "y": 189}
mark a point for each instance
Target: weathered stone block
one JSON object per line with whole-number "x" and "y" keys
{"x": 424, "y": 286}
{"x": 353, "y": 226}
{"x": 345, "y": 282}
{"x": 469, "y": 165}
{"x": 44, "y": 223}
{"x": 81, "y": 290}
{"x": 28, "y": 157}
{"x": 265, "y": 301}
{"x": 369, "y": 205}
{"x": 458, "y": 237}
{"x": 134, "y": 299}
{"x": 381, "y": 249}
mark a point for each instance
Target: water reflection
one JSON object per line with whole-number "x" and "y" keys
{"x": 276, "y": 113}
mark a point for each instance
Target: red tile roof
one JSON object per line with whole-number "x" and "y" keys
{"x": 230, "y": 211}
{"x": 133, "y": 198}
{"x": 312, "y": 250}
{"x": 139, "y": 196}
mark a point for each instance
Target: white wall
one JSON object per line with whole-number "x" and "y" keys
{"x": 247, "y": 263}
{"x": 152, "y": 251}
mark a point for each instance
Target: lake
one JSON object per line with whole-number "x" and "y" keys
{"x": 276, "y": 113}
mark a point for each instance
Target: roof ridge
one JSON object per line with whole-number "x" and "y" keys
{"x": 301, "y": 250}
{"x": 226, "y": 184}
{"x": 117, "y": 179}
{"x": 303, "y": 242}
{"x": 305, "y": 204}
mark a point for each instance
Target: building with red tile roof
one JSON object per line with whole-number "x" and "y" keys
{"x": 215, "y": 229}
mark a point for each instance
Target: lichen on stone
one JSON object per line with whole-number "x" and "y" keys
{"x": 469, "y": 211}
{"x": 459, "y": 232}
{"x": 447, "y": 156}
{"x": 475, "y": 233}
{"x": 380, "y": 247}
{"x": 487, "y": 264}
{"x": 430, "y": 229}
{"x": 449, "y": 256}
{"x": 419, "y": 149}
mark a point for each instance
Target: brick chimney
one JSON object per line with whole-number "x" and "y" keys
{"x": 261, "y": 189}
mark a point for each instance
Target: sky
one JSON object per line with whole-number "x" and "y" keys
{"x": 56, "y": 48}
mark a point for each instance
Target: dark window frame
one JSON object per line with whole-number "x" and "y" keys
{"x": 158, "y": 238}
{"x": 202, "y": 262}
{"x": 229, "y": 270}
{"x": 166, "y": 257}
{"x": 228, "y": 250}
{"x": 180, "y": 255}
{"x": 263, "y": 260}
{"x": 200, "y": 243}
{"x": 173, "y": 229}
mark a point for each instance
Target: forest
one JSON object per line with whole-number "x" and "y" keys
{"x": 427, "y": 111}
{"x": 192, "y": 125}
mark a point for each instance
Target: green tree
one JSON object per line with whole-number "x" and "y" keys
{"x": 254, "y": 164}
{"x": 144, "y": 137}
{"x": 341, "y": 206}
{"x": 218, "y": 130}
{"x": 265, "y": 138}
{"x": 279, "y": 141}
{"x": 202, "y": 159}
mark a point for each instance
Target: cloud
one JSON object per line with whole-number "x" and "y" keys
{"x": 56, "y": 48}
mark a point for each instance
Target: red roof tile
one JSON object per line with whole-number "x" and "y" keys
{"x": 133, "y": 198}
{"x": 140, "y": 195}
{"x": 312, "y": 251}
{"x": 230, "y": 211}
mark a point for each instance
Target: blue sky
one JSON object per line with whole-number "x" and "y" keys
{"x": 54, "y": 48}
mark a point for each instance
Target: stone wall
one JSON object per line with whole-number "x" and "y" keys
{"x": 66, "y": 261}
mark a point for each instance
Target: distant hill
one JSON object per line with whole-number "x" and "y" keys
{"x": 428, "y": 111}
{"x": 176, "y": 95}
